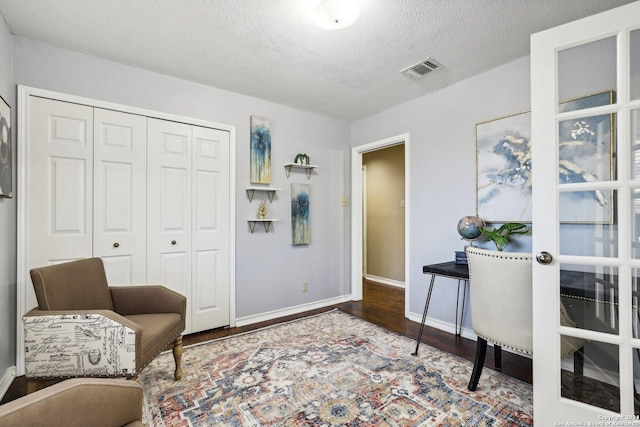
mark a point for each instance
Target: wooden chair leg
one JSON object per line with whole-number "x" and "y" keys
{"x": 481, "y": 351}
{"x": 34, "y": 385}
{"x": 497, "y": 357}
{"x": 177, "y": 355}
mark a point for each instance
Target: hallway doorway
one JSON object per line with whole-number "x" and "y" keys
{"x": 358, "y": 230}
{"x": 383, "y": 202}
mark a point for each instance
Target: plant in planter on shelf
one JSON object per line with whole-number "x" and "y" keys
{"x": 302, "y": 159}
{"x": 502, "y": 236}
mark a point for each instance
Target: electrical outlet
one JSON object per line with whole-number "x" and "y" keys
{"x": 305, "y": 287}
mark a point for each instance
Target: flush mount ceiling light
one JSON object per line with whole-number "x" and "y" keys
{"x": 336, "y": 14}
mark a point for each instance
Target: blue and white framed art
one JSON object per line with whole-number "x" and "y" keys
{"x": 260, "y": 150}
{"x": 300, "y": 214}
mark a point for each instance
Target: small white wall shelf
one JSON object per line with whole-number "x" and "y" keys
{"x": 266, "y": 222}
{"x": 271, "y": 191}
{"x": 308, "y": 168}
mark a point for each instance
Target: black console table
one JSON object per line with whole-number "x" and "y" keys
{"x": 573, "y": 284}
{"x": 452, "y": 271}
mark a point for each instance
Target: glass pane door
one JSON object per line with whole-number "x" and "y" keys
{"x": 586, "y": 214}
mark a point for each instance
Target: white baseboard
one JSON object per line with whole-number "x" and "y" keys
{"x": 443, "y": 326}
{"x": 384, "y": 281}
{"x": 7, "y": 379}
{"x": 244, "y": 321}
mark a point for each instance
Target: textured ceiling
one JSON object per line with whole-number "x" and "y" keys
{"x": 270, "y": 49}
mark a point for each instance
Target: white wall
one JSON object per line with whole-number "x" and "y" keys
{"x": 443, "y": 167}
{"x": 7, "y": 222}
{"x": 269, "y": 270}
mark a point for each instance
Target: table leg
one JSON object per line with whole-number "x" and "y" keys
{"x": 464, "y": 298}
{"x": 424, "y": 314}
{"x": 457, "y": 301}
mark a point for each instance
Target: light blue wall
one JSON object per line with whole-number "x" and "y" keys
{"x": 442, "y": 172}
{"x": 7, "y": 220}
{"x": 269, "y": 270}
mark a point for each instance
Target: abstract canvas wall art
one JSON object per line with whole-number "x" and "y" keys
{"x": 260, "y": 150}
{"x": 300, "y": 214}
{"x": 504, "y": 169}
{"x": 6, "y": 184}
{"x": 586, "y": 147}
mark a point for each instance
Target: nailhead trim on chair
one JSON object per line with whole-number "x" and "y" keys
{"x": 501, "y": 345}
{"x": 524, "y": 257}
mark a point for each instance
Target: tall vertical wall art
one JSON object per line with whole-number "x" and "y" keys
{"x": 300, "y": 214}
{"x": 6, "y": 185}
{"x": 260, "y": 150}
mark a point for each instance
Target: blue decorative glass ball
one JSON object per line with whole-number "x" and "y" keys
{"x": 469, "y": 227}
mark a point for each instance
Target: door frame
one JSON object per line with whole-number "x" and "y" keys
{"x": 23, "y": 283}
{"x": 357, "y": 229}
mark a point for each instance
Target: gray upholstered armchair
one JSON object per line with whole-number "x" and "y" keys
{"x": 78, "y": 402}
{"x": 502, "y": 311}
{"x": 84, "y": 328}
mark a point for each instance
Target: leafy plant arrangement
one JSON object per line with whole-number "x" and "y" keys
{"x": 302, "y": 159}
{"x": 502, "y": 236}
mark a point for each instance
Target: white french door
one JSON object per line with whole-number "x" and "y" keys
{"x": 585, "y": 92}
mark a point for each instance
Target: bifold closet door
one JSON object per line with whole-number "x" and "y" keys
{"x": 211, "y": 229}
{"x": 59, "y": 183}
{"x": 169, "y": 206}
{"x": 151, "y": 197}
{"x": 188, "y": 225}
{"x": 120, "y": 185}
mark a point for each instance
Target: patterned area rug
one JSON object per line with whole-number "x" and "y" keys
{"x": 327, "y": 370}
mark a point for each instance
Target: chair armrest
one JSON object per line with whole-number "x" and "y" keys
{"x": 128, "y": 300}
{"x": 80, "y": 343}
{"x": 77, "y": 403}
{"x": 116, "y": 317}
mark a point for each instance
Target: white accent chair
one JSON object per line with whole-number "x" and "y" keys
{"x": 501, "y": 308}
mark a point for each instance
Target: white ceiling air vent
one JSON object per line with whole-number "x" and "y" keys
{"x": 422, "y": 68}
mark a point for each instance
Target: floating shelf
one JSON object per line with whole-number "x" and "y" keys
{"x": 271, "y": 191}
{"x": 266, "y": 222}
{"x": 308, "y": 168}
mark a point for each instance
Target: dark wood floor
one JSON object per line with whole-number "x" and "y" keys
{"x": 382, "y": 305}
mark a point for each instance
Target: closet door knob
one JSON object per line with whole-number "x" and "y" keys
{"x": 173, "y": 242}
{"x": 116, "y": 245}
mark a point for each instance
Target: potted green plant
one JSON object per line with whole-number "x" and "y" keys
{"x": 502, "y": 236}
